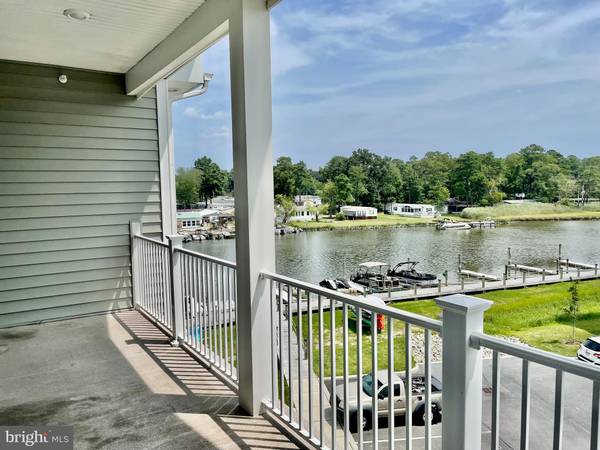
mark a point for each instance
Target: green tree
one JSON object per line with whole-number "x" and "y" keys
{"x": 284, "y": 179}
{"x": 343, "y": 189}
{"x": 328, "y": 194}
{"x": 285, "y": 207}
{"x": 187, "y": 182}
{"x": 469, "y": 180}
{"x": 213, "y": 180}
{"x": 572, "y": 308}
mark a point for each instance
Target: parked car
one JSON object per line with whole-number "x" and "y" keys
{"x": 381, "y": 390}
{"x": 589, "y": 350}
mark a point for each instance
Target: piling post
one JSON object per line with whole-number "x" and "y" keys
{"x": 483, "y": 283}
{"x": 462, "y": 284}
{"x": 579, "y": 272}
{"x": 415, "y": 290}
{"x": 459, "y": 263}
{"x": 596, "y": 269}
{"x": 561, "y": 273}
{"x": 504, "y": 281}
{"x": 567, "y": 265}
{"x": 439, "y": 286}
{"x": 509, "y": 258}
{"x": 524, "y": 276}
{"x": 390, "y": 291}
{"x": 543, "y": 275}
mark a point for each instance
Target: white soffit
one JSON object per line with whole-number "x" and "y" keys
{"x": 117, "y": 35}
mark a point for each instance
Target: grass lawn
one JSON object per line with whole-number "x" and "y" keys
{"x": 382, "y": 347}
{"x": 534, "y": 315}
{"x": 383, "y": 220}
{"x": 532, "y": 211}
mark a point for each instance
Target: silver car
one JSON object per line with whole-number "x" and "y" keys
{"x": 380, "y": 389}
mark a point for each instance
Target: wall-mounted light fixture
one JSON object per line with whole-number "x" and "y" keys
{"x": 62, "y": 78}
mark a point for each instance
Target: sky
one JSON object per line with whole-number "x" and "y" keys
{"x": 403, "y": 77}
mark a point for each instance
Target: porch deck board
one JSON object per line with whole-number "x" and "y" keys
{"x": 120, "y": 384}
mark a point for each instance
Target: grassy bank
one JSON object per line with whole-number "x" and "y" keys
{"x": 383, "y": 220}
{"x": 534, "y": 315}
{"x": 532, "y": 211}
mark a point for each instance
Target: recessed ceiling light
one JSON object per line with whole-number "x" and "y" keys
{"x": 77, "y": 14}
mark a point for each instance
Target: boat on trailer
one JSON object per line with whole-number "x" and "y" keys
{"x": 407, "y": 273}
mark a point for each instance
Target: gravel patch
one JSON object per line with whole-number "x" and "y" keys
{"x": 418, "y": 346}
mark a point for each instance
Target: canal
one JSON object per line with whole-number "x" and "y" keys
{"x": 312, "y": 256}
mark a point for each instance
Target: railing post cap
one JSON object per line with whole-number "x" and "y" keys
{"x": 176, "y": 239}
{"x": 463, "y": 304}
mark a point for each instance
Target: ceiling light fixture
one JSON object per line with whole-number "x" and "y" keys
{"x": 77, "y": 14}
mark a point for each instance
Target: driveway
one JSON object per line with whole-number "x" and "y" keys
{"x": 577, "y": 411}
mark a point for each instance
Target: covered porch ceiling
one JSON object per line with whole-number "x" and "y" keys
{"x": 113, "y": 39}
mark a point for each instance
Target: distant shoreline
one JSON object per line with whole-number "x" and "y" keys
{"x": 369, "y": 225}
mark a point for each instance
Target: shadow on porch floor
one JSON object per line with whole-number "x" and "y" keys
{"x": 120, "y": 384}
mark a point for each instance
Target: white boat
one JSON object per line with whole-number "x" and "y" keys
{"x": 451, "y": 225}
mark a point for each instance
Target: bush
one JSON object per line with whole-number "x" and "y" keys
{"x": 340, "y": 216}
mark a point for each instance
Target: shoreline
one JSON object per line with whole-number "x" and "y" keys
{"x": 328, "y": 226}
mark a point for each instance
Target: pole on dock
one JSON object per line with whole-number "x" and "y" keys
{"x": 439, "y": 286}
{"x": 459, "y": 263}
{"x": 579, "y": 272}
{"x": 567, "y": 265}
{"x": 446, "y": 277}
{"x": 543, "y": 275}
{"x": 390, "y": 291}
{"x": 561, "y": 273}
{"x": 462, "y": 284}
{"x": 524, "y": 276}
{"x": 596, "y": 269}
{"x": 483, "y": 283}
{"x": 504, "y": 280}
{"x": 415, "y": 290}
{"x": 509, "y": 258}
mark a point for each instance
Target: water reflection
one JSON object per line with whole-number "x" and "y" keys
{"x": 313, "y": 256}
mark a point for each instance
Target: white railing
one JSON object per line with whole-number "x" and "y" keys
{"x": 298, "y": 391}
{"x": 209, "y": 308}
{"x": 314, "y": 359}
{"x": 204, "y": 313}
{"x": 152, "y": 285}
{"x": 560, "y": 364}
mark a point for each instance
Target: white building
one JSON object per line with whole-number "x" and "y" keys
{"x": 410, "y": 209}
{"x": 304, "y": 204}
{"x": 359, "y": 212}
{"x": 314, "y": 199}
{"x": 190, "y": 220}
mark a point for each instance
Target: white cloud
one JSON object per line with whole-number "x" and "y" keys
{"x": 196, "y": 113}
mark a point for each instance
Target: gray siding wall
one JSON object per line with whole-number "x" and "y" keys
{"x": 77, "y": 163}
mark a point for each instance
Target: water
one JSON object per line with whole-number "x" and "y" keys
{"x": 312, "y": 256}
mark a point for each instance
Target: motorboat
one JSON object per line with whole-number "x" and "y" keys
{"x": 374, "y": 276}
{"x": 407, "y": 273}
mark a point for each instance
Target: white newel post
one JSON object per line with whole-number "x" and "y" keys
{"x": 461, "y": 371}
{"x": 135, "y": 228}
{"x": 176, "y": 241}
{"x": 253, "y": 179}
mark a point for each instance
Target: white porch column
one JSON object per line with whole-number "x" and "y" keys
{"x": 250, "y": 60}
{"x": 461, "y": 371}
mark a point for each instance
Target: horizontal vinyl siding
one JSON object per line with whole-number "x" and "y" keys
{"x": 77, "y": 163}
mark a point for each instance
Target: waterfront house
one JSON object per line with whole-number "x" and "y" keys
{"x": 410, "y": 209}
{"x": 359, "y": 212}
{"x": 109, "y": 325}
{"x": 304, "y": 207}
{"x": 314, "y": 199}
{"x": 191, "y": 220}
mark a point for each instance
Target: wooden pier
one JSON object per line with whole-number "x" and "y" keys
{"x": 477, "y": 287}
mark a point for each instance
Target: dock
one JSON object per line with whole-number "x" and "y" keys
{"x": 530, "y": 269}
{"x": 480, "y": 286}
{"x": 577, "y": 265}
{"x": 477, "y": 275}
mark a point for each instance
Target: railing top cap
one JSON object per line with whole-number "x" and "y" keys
{"x": 463, "y": 303}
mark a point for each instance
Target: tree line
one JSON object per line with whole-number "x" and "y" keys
{"x": 368, "y": 179}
